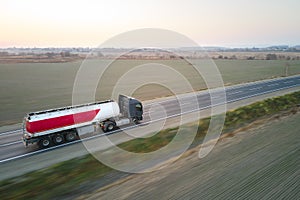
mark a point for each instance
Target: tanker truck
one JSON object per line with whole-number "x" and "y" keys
{"x": 60, "y": 125}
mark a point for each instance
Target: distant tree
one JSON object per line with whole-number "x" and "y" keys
{"x": 220, "y": 57}
{"x": 50, "y": 55}
{"x": 233, "y": 57}
{"x": 271, "y": 56}
{"x": 3, "y": 53}
{"x": 65, "y": 54}
{"x": 251, "y": 58}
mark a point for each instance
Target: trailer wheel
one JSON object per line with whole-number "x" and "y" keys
{"x": 58, "y": 139}
{"x": 45, "y": 142}
{"x": 70, "y": 136}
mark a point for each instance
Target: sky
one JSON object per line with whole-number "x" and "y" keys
{"x": 88, "y": 23}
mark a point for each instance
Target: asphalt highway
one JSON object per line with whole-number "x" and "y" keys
{"x": 12, "y": 148}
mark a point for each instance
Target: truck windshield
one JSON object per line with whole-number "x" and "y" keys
{"x": 138, "y": 107}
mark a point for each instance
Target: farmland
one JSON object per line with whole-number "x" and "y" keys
{"x": 27, "y": 87}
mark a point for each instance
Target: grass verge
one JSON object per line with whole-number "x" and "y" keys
{"x": 63, "y": 179}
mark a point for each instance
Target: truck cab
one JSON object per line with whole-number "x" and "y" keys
{"x": 131, "y": 108}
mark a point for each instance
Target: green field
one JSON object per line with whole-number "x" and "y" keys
{"x": 27, "y": 87}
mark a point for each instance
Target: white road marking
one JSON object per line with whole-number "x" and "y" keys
{"x": 235, "y": 92}
{"x": 187, "y": 103}
{"x": 257, "y": 88}
{"x": 11, "y": 143}
{"x": 10, "y": 132}
{"x": 273, "y": 84}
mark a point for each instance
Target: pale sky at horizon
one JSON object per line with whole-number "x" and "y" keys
{"x": 232, "y": 23}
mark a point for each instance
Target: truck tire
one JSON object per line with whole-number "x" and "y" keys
{"x": 58, "y": 139}
{"x": 135, "y": 121}
{"x": 109, "y": 126}
{"x": 45, "y": 142}
{"x": 70, "y": 136}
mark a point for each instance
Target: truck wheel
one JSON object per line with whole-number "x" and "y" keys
{"x": 135, "y": 121}
{"x": 70, "y": 136}
{"x": 108, "y": 126}
{"x": 45, "y": 142}
{"x": 58, "y": 139}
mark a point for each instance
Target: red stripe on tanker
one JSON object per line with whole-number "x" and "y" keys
{"x": 70, "y": 117}
{"x": 58, "y": 122}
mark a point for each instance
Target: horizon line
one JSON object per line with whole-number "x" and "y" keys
{"x": 204, "y": 46}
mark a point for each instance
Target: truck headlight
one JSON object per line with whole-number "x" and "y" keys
{"x": 26, "y": 136}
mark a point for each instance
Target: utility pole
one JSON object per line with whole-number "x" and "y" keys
{"x": 287, "y": 64}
